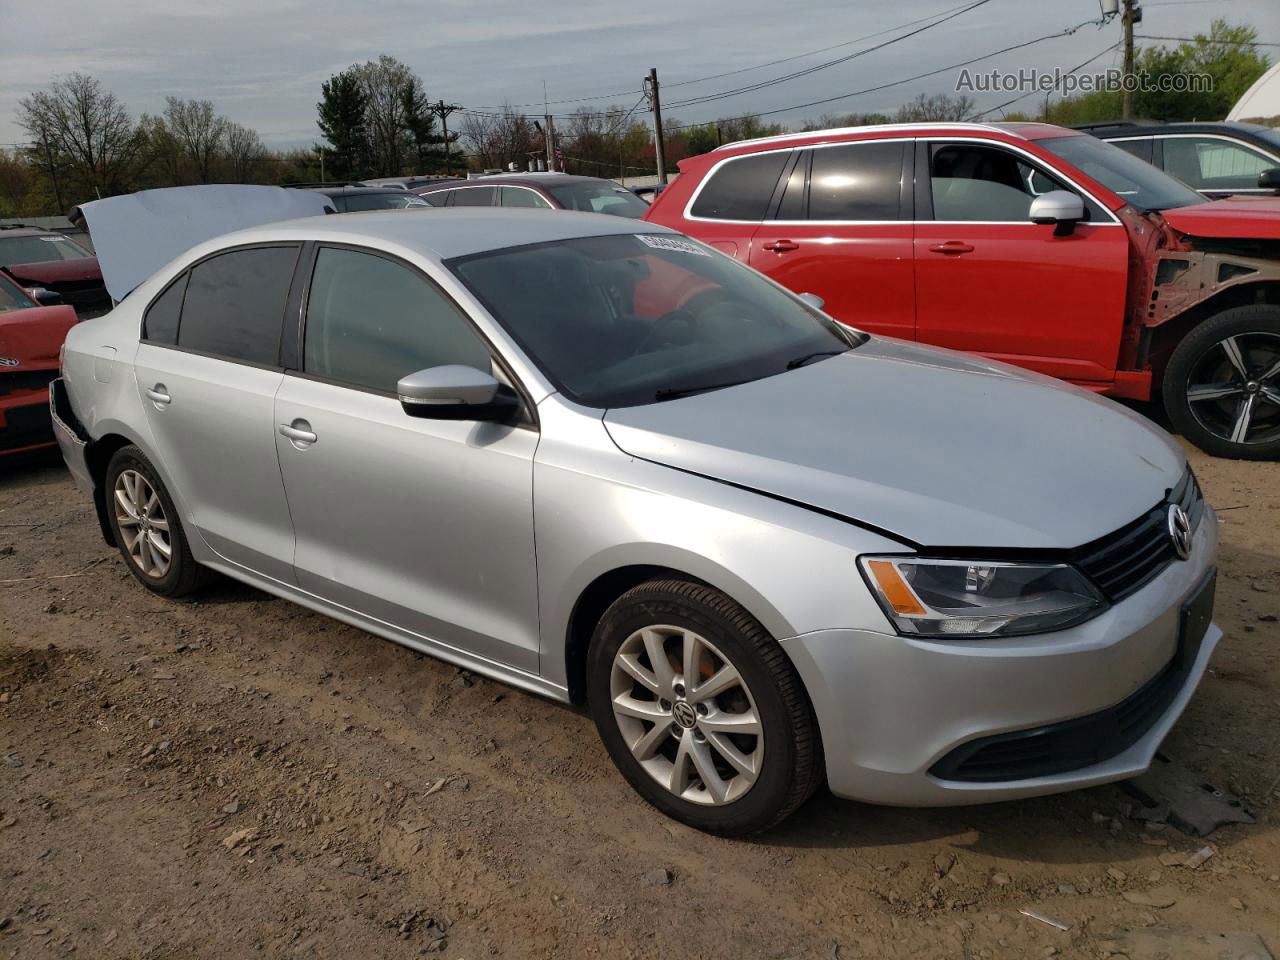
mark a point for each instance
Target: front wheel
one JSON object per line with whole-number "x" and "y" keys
{"x": 701, "y": 710}
{"x": 1222, "y": 385}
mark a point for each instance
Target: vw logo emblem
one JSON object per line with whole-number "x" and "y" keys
{"x": 684, "y": 714}
{"x": 1180, "y": 531}
{"x": 8, "y": 362}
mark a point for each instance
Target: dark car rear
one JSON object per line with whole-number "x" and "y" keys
{"x": 358, "y": 198}
{"x": 40, "y": 258}
{"x": 555, "y": 191}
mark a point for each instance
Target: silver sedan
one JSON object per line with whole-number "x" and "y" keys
{"x": 602, "y": 462}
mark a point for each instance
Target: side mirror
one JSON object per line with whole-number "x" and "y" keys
{"x": 1270, "y": 179}
{"x": 1062, "y": 208}
{"x": 456, "y": 392}
{"x": 813, "y": 300}
{"x": 45, "y": 297}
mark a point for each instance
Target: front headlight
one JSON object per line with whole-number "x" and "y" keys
{"x": 979, "y": 598}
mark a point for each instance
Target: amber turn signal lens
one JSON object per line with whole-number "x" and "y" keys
{"x": 895, "y": 589}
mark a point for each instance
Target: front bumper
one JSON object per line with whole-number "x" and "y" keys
{"x": 891, "y": 707}
{"x": 24, "y": 420}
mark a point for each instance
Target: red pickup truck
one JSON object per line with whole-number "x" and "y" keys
{"x": 1025, "y": 242}
{"x": 30, "y": 340}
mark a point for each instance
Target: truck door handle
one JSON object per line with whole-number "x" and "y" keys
{"x": 159, "y": 395}
{"x": 299, "y": 432}
{"x": 781, "y": 246}
{"x": 952, "y": 246}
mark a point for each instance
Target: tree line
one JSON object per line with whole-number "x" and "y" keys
{"x": 377, "y": 120}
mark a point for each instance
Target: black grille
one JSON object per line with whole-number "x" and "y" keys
{"x": 25, "y": 380}
{"x": 26, "y": 427}
{"x": 1083, "y": 742}
{"x": 1123, "y": 562}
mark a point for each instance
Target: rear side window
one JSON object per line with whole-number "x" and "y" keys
{"x": 857, "y": 181}
{"x": 371, "y": 321}
{"x": 234, "y": 306}
{"x": 160, "y": 325}
{"x": 522, "y": 197}
{"x": 1139, "y": 148}
{"x": 437, "y": 198}
{"x": 473, "y": 197}
{"x": 741, "y": 188}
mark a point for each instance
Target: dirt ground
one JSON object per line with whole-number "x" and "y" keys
{"x": 238, "y": 777}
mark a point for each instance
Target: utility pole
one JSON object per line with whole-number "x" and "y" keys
{"x": 442, "y": 110}
{"x": 651, "y": 90}
{"x": 549, "y": 135}
{"x": 1130, "y": 15}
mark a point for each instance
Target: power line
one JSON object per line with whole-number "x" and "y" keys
{"x": 1021, "y": 96}
{"x": 1202, "y": 39}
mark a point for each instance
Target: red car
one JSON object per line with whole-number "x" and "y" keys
{"x": 1025, "y": 242}
{"x": 41, "y": 259}
{"x": 30, "y": 339}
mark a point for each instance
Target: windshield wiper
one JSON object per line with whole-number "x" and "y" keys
{"x": 801, "y": 361}
{"x": 672, "y": 393}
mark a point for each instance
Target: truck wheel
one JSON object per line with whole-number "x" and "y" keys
{"x": 1222, "y": 386}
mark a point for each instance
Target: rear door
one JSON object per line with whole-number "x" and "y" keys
{"x": 841, "y": 228}
{"x": 728, "y": 206}
{"x": 1214, "y": 165}
{"x": 990, "y": 281}
{"x": 207, "y": 372}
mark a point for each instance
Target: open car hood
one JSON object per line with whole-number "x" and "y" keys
{"x": 1244, "y": 217}
{"x": 137, "y": 234}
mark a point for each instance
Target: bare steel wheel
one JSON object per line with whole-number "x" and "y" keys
{"x": 701, "y": 709}
{"x": 686, "y": 714}
{"x": 143, "y": 526}
{"x": 146, "y": 527}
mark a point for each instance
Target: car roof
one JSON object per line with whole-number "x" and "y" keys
{"x": 442, "y": 233}
{"x": 1155, "y": 128}
{"x": 517, "y": 180}
{"x": 356, "y": 191}
{"x": 936, "y": 127}
{"x": 25, "y": 230}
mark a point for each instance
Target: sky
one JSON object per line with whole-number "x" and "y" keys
{"x": 262, "y": 61}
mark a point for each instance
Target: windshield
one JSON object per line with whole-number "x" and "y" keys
{"x": 598, "y": 197}
{"x": 383, "y": 201}
{"x": 1139, "y": 183}
{"x": 625, "y": 320}
{"x": 12, "y": 297}
{"x": 38, "y": 248}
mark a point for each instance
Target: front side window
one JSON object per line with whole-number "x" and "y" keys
{"x": 599, "y": 196}
{"x": 522, "y": 197}
{"x": 1209, "y": 163}
{"x": 632, "y": 319}
{"x": 976, "y": 183}
{"x": 857, "y": 181}
{"x": 741, "y": 188}
{"x": 473, "y": 197}
{"x": 234, "y": 304}
{"x": 371, "y": 321}
{"x": 39, "y": 248}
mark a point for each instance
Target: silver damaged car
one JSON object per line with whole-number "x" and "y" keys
{"x": 602, "y": 462}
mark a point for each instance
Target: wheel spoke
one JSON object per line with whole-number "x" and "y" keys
{"x": 1212, "y": 391}
{"x": 647, "y": 745}
{"x": 629, "y": 663}
{"x": 1235, "y": 357}
{"x": 720, "y": 681}
{"x": 693, "y": 650}
{"x": 735, "y": 757}
{"x": 152, "y": 502}
{"x": 158, "y": 545}
{"x": 125, "y": 503}
{"x": 655, "y": 646}
{"x": 1271, "y": 395}
{"x": 1244, "y": 416}
{"x": 680, "y": 766}
{"x": 629, "y": 706}
{"x": 1272, "y": 374}
{"x": 159, "y": 523}
{"x": 706, "y": 767}
{"x": 721, "y": 722}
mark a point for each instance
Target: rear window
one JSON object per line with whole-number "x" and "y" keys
{"x": 39, "y": 248}
{"x": 234, "y": 305}
{"x": 600, "y": 196}
{"x": 741, "y": 188}
{"x": 473, "y": 196}
{"x": 399, "y": 200}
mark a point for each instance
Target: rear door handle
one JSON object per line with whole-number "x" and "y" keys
{"x": 781, "y": 246}
{"x": 159, "y": 395}
{"x": 952, "y": 246}
{"x": 299, "y": 432}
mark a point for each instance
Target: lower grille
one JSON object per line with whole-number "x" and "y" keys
{"x": 26, "y": 380}
{"x": 26, "y": 427}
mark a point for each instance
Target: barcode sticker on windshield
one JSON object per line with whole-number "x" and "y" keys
{"x": 679, "y": 244}
{"x": 54, "y": 239}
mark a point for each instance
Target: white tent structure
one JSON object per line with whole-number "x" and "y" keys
{"x": 1262, "y": 100}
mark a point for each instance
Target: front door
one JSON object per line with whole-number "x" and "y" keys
{"x": 207, "y": 371}
{"x": 989, "y": 281}
{"x": 841, "y": 229}
{"x": 426, "y": 525}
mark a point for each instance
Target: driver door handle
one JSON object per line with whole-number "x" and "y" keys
{"x": 952, "y": 246}
{"x": 781, "y": 246}
{"x": 299, "y": 432}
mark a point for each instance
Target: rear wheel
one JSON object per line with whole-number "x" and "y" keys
{"x": 701, "y": 710}
{"x": 1222, "y": 385}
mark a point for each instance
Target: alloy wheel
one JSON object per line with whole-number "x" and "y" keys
{"x": 142, "y": 523}
{"x": 1234, "y": 388}
{"x": 686, "y": 715}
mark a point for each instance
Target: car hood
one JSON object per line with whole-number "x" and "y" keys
{"x": 50, "y": 273}
{"x": 31, "y": 337}
{"x": 1244, "y": 217}
{"x": 935, "y": 447}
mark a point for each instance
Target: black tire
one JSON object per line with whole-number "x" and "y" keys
{"x": 1202, "y": 360}
{"x": 183, "y": 574}
{"x": 792, "y": 765}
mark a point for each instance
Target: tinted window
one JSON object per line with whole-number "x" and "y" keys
{"x": 1208, "y": 163}
{"x": 792, "y": 205}
{"x": 742, "y": 188}
{"x": 382, "y": 201}
{"x": 859, "y": 181}
{"x": 12, "y": 298}
{"x": 598, "y": 196}
{"x": 160, "y": 325}
{"x": 1122, "y": 173}
{"x": 437, "y": 198}
{"x": 38, "y": 248}
{"x": 976, "y": 183}
{"x": 234, "y": 304}
{"x": 473, "y": 197}
{"x": 521, "y": 197}
{"x": 371, "y": 321}
{"x": 1139, "y": 148}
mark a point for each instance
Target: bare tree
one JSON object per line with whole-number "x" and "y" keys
{"x": 199, "y": 130}
{"x": 383, "y": 82}
{"x": 244, "y": 149}
{"x": 940, "y": 106}
{"x": 500, "y": 138}
{"x": 82, "y": 130}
